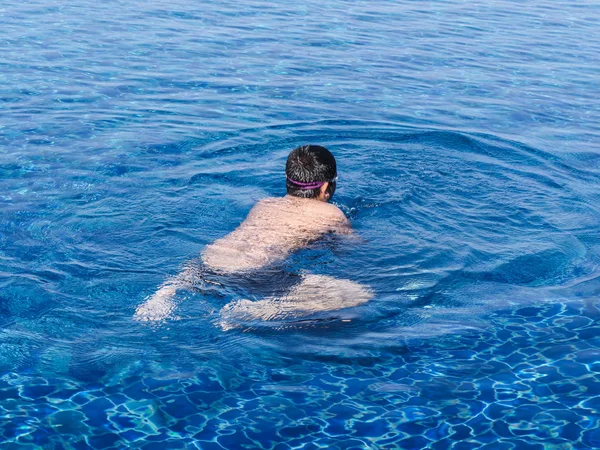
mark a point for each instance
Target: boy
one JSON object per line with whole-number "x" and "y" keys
{"x": 274, "y": 228}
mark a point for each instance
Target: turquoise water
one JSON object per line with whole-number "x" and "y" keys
{"x": 132, "y": 134}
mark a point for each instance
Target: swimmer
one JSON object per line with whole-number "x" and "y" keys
{"x": 274, "y": 228}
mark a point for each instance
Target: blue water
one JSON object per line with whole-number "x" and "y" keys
{"x": 133, "y": 133}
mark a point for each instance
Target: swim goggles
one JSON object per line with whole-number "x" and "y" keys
{"x": 312, "y": 185}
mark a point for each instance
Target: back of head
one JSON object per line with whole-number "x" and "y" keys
{"x": 308, "y": 167}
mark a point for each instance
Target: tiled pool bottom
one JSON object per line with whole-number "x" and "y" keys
{"x": 531, "y": 380}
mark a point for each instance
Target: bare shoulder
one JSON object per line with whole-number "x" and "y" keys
{"x": 268, "y": 210}
{"x": 333, "y": 211}
{"x": 336, "y": 217}
{"x": 263, "y": 206}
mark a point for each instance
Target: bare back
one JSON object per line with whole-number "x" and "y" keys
{"x": 274, "y": 228}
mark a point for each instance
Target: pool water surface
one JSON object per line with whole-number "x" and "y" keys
{"x": 132, "y": 134}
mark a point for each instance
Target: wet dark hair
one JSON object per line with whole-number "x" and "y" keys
{"x": 310, "y": 164}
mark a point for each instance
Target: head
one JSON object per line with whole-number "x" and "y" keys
{"x": 311, "y": 172}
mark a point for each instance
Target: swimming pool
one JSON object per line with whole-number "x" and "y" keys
{"x": 134, "y": 133}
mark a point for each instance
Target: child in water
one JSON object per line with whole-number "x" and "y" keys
{"x": 274, "y": 228}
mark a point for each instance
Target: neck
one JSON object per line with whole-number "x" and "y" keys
{"x": 302, "y": 199}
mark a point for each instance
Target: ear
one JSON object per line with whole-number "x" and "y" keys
{"x": 323, "y": 195}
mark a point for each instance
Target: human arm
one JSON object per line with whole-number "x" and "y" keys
{"x": 343, "y": 227}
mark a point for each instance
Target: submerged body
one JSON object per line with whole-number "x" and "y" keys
{"x": 274, "y": 228}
